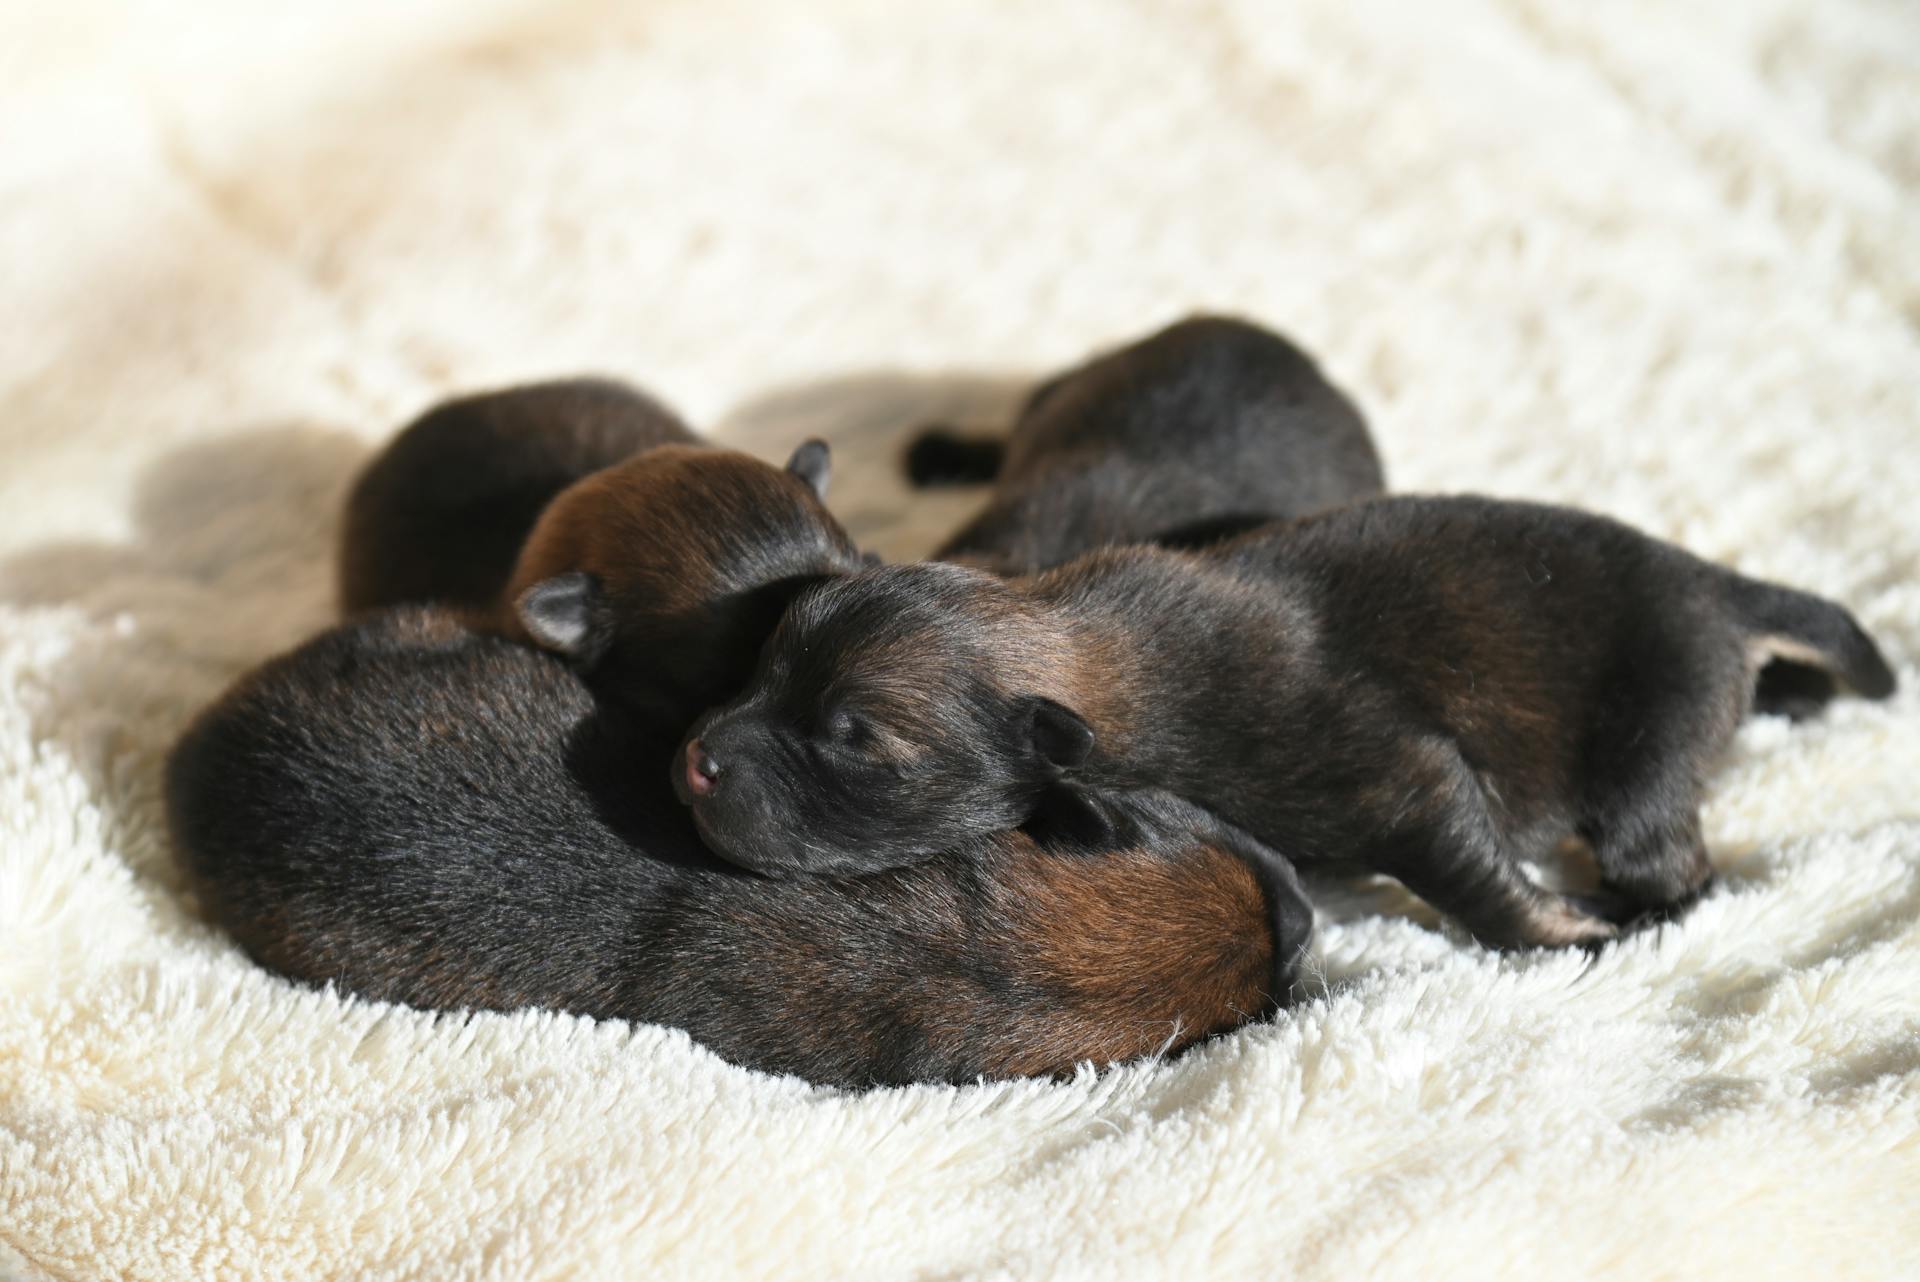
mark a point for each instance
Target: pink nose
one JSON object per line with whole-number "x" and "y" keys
{"x": 703, "y": 773}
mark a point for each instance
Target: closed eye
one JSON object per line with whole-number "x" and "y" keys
{"x": 859, "y": 737}
{"x": 848, "y": 729}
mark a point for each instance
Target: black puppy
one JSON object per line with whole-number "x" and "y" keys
{"x": 1436, "y": 688}
{"x": 583, "y": 517}
{"x": 424, "y": 814}
{"x": 1199, "y": 431}
{"x": 440, "y": 514}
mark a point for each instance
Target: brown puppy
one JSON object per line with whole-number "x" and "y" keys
{"x": 1202, "y": 430}
{"x": 421, "y": 813}
{"x": 1437, "y": 689}
{"x": 583, "y": 517}
{"x": 441, "y": 513}
{"x": 660, "y": 577}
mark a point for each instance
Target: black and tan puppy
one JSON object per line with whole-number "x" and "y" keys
{"x": 1435, "y": 688}
{"x": 440, "y": 514}
{"x": 660, "y": 577}
{"x": 583, "y": 517}
{"x": 425, "y": 814}
{"x": 1203, "y": 429}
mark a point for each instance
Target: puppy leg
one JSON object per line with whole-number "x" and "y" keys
{"x": 946, "y": 456}
{"x": 1446, "y": 845}
{"x": 1657, "y": 862}
{"x": 1478, "y": 885}
{"x": 1793, "y": 690}
{"x": 1677, "y": 700}
{"x": 1641, "y": 813}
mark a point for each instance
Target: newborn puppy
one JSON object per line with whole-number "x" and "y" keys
{"x": 441, "y": 513}
{"x": 1202, "y": 430}
{"x": 660, "y": 577}
{"x": 424, "y": 814}
{"x": 584, "y": 518}
{"x": 1437, "y": 688}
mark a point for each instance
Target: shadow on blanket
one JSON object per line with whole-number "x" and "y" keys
{"x": 230, "y": 560}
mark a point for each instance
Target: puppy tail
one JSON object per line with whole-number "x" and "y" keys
{"x": 1805, "y": 641}
{"x": 941, "y": 456}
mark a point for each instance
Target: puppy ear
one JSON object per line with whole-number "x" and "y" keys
{"x": 564, "y": 614}
{"x": 1289, "y": 911}
{"x": 1057, "y": 734}
{"x": 813, "y": 463}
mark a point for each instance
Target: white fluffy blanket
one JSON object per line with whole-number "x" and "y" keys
{"x": 1658, "y": 260}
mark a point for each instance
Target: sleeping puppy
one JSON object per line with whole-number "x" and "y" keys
{"x": 440, "y": 514}
{"x": 659, "y": 578}
{"x": 1202, "y": 430}
{"x": 1437, "y": 688}
{"x": 421, "y": 813}
{"x": 583, "y": 517}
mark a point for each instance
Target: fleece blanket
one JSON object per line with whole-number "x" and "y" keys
{"x": 1656, "y": 260}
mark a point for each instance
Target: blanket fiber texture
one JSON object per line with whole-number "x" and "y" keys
{"x": 1656, "y": 260}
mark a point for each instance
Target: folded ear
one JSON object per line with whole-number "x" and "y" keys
{"x": 813, "y": 463}
{"x": 566, "y": 614}
{"x": 1289, "y": 911}
{"x": 1057, "y": 734}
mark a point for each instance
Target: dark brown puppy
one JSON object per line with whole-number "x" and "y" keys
{"x": 583, "y": 517}
{"x": 1201, "y": 430}
{"x": 441, "y": 513}
{"x": 660, "y": 577}
{"x": 421, "y": 813}
{"x": 1435, "y": 688}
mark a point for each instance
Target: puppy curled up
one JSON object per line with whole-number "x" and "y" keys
{"x": 1200, "y": 430}
{"x": 418, "y": 812}
{"x": 584, "y": 517}
{"x": 1436, "y": 688}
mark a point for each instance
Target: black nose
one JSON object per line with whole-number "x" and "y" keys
{"x": 703, "y": 772}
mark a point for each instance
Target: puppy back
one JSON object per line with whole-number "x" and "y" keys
{"x": 441, "y": 513}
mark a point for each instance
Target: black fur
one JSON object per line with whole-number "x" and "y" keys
{"x": 812, "y": 462}
{"x": 1210, "y": 424}
{"x": 421, "y": 813}
{"x": 940, "y": 456}
{"x": 1437, "y": 688}
{"x": 1792, "y": 690}
{"x": 819, "y": 769}
{"x": 441, "y": 513}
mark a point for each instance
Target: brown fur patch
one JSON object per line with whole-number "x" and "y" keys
{"x": 673, "y": 530}
{"x": 1138, "y": 953}
{"x": 1558, "y": 924}
{"x": 631, "y": 525}
{"x": 1762, "y": 650}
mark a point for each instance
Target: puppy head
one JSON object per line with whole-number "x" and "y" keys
{"x": 895, "y": 714}
{"x": 661, "y": 577}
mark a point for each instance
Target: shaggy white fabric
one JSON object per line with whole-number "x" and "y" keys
{"x": 1657, "y": 260}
